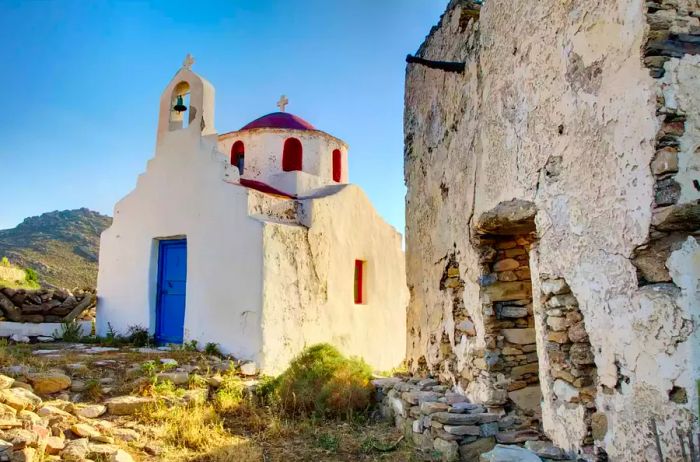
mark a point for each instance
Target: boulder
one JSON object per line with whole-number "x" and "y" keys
{"x": 52, "y": 411}
{"x": 9, "y": 309}
{"x": 24, "y": 455}
{"x": 127, "y": 405}
{"x": 449, "y": 450}
{"x": 75, "y": 450}
{"x": 546, "y": 450}
{"x": 49, "y": 382}
{"x": 19, "y": 399}
{"x": 126, "y": 434}
{"x": 91, "y": 411}
{"x": 249, "y": 368}
{"x": 471, "y": 452}
{"x": 6, "y": 382}
{"x": 501, "y": 453}
{"x": 19, "y": 338}
{"x": 84, "y": 430}
{"x": 54, "y": 445}
{"x": 121, "y": 456}
{"x": 177, "y": 378}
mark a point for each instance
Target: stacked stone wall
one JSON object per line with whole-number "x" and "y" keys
{"x": 437, "y": 419}
{"x": 46, "y": 305}
{"x": 572, "y": 373}
{"x": 509, "y": 363}
{"x": 673, "y": 39}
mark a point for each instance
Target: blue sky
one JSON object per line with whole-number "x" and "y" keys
{"x": 81, "y": 82}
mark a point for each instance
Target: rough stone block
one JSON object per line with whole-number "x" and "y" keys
{"x": 507, "y": 291}
{"x": 527, "y": 398}
{"x": 519, "y": 336}
{"x": 513, "y": 311}
{"x": 462, "y": 430}
{"x": 449, "y": 450}
{"x": 471, "y": 452}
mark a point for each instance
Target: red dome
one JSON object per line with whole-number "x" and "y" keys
{"x": 280, "y": 120}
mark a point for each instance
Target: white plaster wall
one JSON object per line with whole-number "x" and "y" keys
{"x": 309, "y": 282}
{"x": 186, "y": 191}
{"x": 555, "y": 107}
{"x": 45, "y": 329}
{"x": 263, "y": 153}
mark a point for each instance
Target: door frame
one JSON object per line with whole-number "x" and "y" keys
{"x": 162, "y": 243}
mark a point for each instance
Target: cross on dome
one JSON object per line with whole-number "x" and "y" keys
{"x": 282, "y": 103}
{"x": 188, "y": 62}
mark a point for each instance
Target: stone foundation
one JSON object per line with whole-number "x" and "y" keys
{"x": 438, "y": 420}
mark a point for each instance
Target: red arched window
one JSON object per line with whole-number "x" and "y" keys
{"x": 291, "y": 155}
{"x": 238, "y": 155}
{"x": 337, "y": 165}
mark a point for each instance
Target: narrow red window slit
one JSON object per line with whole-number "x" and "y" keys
{"x": 238, "y": 155}
{"x": 337, "y": 165}
{"x": 359, "y": 281}
{"x": 292, "y": 155}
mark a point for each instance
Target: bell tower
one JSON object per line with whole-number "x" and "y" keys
{"x": 187, "y": 103}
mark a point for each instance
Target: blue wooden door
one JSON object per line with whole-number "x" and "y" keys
{"x": 172, "y": 281}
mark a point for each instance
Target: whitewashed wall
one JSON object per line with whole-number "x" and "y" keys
{"x": 263, "y": 153}
{"x": 316, "y": 304}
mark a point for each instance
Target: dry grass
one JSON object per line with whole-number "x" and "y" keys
{"x": 229, "y": 426}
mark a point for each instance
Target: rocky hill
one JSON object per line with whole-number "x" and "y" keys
{"x": 62, "y": 247}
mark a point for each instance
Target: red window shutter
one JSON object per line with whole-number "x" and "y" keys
{"x": 337, "y": 165}
{"x": 292, "y": 155}
{"x": 359, "y": 289}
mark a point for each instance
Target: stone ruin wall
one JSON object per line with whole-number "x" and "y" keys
{"x": 575, "y": 124}
{"x": 46, "y": 305}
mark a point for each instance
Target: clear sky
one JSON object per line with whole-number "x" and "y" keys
{"x": 81, "y": 82}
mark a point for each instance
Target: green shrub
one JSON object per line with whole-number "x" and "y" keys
{"x": 32, "y": 277}
{"x": 212, "y": 349}
{"x": 192, "y": 345}
{"x": 322, "y": 382}
{"x": 5, "y": 262}
{"x": 139, "y": 336}
{"x": 230, "y": 393}
{"x": 70, "y": 331}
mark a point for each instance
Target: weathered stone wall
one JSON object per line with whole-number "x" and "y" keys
{"x": 559, "y": 121}
{"x": 46, "y": 305}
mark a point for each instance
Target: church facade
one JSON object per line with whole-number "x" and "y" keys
{"x": 253, "y": 239}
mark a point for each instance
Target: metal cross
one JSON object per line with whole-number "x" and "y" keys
{"x": 188, "y": 62}
{"x": 282, "y": 103}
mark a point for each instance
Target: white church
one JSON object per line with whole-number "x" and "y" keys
{"x": 252, "y": 239}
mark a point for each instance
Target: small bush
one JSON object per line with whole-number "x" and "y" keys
{"x": 139, "y": 336}
{"x": 192, "y": 345}
{"x": 230, "y": 393}
{"x": 5, "y": 262}
{"x": 212, "y": 349}
{"x": 69, "y": 331}
{"x": 328, "y": 442}
{"x": 32, "y": 277}
{"x": 93, "y": 389}
{"x": 322, "y": 382}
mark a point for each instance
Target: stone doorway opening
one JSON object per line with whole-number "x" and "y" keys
{"x": 510, "y": 366}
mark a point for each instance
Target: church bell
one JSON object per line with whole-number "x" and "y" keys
{"x": 180, "y": 106}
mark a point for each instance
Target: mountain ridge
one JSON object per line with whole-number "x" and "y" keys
{"x": 61, "y": 246}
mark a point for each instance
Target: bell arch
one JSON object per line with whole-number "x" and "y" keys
{"x": 195, "y": 95}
